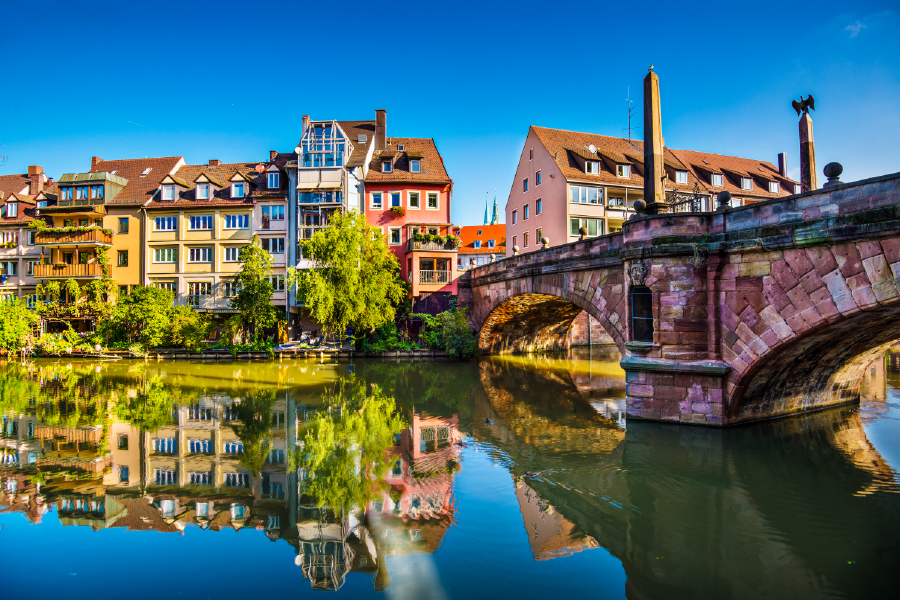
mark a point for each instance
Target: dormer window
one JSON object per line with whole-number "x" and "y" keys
{"x": 237, "y": 190}
{"x": 797, "y": 188}
{"x": 479, "y": 231}
{"x": 168, "y": 192}
{"x": 12, "y": 209}
{"x": 415, "y": 166}
{"x": 202, "y": 191}
{"x": 591, "y": 167}
{"x": 491, "y": 243}
{"x": 773, "y": 187}
{"x": 623, "y": 170}
{"x": 361, "y": 138}
{"x": 401, "y": 147}
{"x": 746, "y": 183}
{"x": 273, "y": 181}
{"x": 386, "y": 166}
{"x": 681, "y": 177}
{"x": 477, "y": 244}
{"x": 717, "y": 179}
{"x": 42, "y": 204}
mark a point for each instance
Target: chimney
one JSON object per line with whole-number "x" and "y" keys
{"x": 94, "y": 161}
{"x": 782, "y": 164}
{"x": 36, "y": 177}
{"x": 380, "y": 129}
{"x": 214, "y": 163}
{"x": 272, "y": 155}
{"x": 305, "y": 127}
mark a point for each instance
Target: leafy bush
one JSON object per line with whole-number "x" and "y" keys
{"x": 64, "y": 342}
{"x": 450, "y": 332}
{"x": 385, "y": 339}
{"x": 188, "y": 328}
{"x": 16, "y": 321}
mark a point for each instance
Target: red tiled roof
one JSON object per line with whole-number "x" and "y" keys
{"x": 431, "y": 165}
{"x": 353, "y": 129}
{"x": 470, "y": 233}
{"x": 256, "y": 172}
{"x": 138, "y": 189}
{"x": 14, "y": 183}
{"x": 564, "y": 146}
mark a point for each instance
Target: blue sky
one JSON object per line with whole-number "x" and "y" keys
{"x": 231, "y": 80}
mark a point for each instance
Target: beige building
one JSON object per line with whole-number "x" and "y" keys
{"x": 200, "y": 218}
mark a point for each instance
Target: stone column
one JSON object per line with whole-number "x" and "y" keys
{"x": 807, "y": 155}
{"x": 654, "y": 171}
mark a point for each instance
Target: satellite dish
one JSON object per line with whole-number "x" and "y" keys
{"x": 297, "y": 150}
{"x": 593, "y": 149}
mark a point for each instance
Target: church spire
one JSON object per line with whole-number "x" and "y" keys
{"x": 486, "y": 196}
{"x": 495, "y": 218}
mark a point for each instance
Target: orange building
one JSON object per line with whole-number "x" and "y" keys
{"x": 481, "y": 244}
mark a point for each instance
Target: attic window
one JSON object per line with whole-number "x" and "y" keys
{"x": 237, "y": 189}
{"x": 202, "y": 191}
{"x": 12, "y": 209}
{"x": 146, "y": 171}
{"x": 477, "y": 244}
{"x": 168, "y": 192}
{"x": 386, "y": 166}
{"x": 479, "y": 231}
{"x": 717, "y": 179}
{"x": 362, "y": 138}
{"x": 623, "y": 170}
{"x": 273, "y": 181}
{"x": 415, "y": 166}
{"x": 401, "y": 147}
{"x": 591, "y": 167}
{"x": 746, "y": 183}
{"x": 42, "y": 204}
{"x": 706, "y": 162}
{"x": 681, "y": 177}
{"x": 797, "y": 188}
{"x": 773, "y": 187}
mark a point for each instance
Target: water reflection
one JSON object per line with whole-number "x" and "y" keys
{"x": 359, "y": 469}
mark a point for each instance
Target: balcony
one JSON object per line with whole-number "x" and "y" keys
{"x": 430, "y": 246}
{"x": 92, "y": 237}
{"x": 434, "y": 277}
{"x": 88, "y": 271}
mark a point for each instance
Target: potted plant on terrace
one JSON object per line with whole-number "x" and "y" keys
{"x": 398, "y": 211}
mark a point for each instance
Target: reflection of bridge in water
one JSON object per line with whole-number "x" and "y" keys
{"x": 733, "y": 513}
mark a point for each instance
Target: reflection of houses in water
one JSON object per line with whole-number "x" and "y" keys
{"x": 330, "y": 545}
{"x": 550, "y": 534}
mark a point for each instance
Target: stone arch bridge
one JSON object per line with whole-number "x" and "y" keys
{"x": 758, "y": 311}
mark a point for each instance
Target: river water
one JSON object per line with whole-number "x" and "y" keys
{"x": 503, "y": 477}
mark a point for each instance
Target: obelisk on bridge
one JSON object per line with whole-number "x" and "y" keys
{"x": 654, "y": 171}
{"x": 807, "y": 145}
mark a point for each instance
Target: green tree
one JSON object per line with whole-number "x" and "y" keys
{"x": 16, "y": 322}
{"x": 354, "y": 281}
{"x": 144, "y": 316}
{"x": 345, "y": 448}
{"x": 149, "y": 409}
{"x": 255, "y": 415}
{"x": 450, "y": 331}
{"x": 254, "y": 297}
{"x": 187, "y": 328}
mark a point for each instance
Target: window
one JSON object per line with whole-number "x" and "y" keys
{"x": 31, "y": 238}
{"x": 681, "y": 177}
{"x": 277, "y": 282}
{"x": 623, "y": 170}
{"x": 165, "y": 445}
{"x": 412, "y": 199}
{"x": 9, "y": 268}
{"x": 385, "y": 166}
{"x": 234, "y": 447}
{"x": 273, "y": 245}
{"x": 594, "y": 226}
{"x": 42, "y": 204}
{"x": 375, "y": 202}
{"x": 414, "y": 166}
{"x": 525, "y": 211}
{"x": 146, "y": 171}
{"x": 230, "y": 289}
{"x": 202, "y": 509}
{"x": 168, "y": 192}
{"x": 585, "y": 195}
{"x": 200, "y": 255}
{"x": 798, "y": 189}
{"x": 538, "y": 207}
{"x": 237, "y": 221}
{"x": 641, "y": 314}
{"x": 515, "y": 216}
{"x": 123, "y": 474}
{"x": 66, "y": 193}
{"x": 123, "y": 258}
{"x": 773, "y": 187}
{"x": 322, "y": 146}
{"x": 515, "y": 241}
{"x": 537, "y": 178}
{"x": 122, "y": 442}
{"x": 201, "y": 222}
{"x": 539, "y": 235}
{"x": 165, "y": 223}
{"x": 123, "y": 224}
{"x": 96, "y": 191}
{"x": 531, "y": 154}
{"x": 202, "y": 191}
{"x": 525, "y": 237}
{"x": 491, "y": 243}
{"x": 98, "y": 222}
{"x": 271, "y": 213}
{"x": 717, "y": 179}
{"x": 591, "y": 167}
{"x": 198, "y": 290}
{"x": 165, "y": 285}
{"x": 394, "y": 237}
{"x": 401, "y": 147}
{"x": 232, "y": 253}
{"x": 479, "y": 231}
{"x": 123, "y": 291}
{"x": 273, "y": 181}
{"x": 477, "y": 244}
{"x": 433, "y": 200}
{"x": 12, "y": 209}
{"x": 200, "y": 478}
{"x": 237, "y": 190}
{"x": 81, "y": 193}
{"x": 29, "y": 267}
{"x": 237, "y": 480}
{"x": 200, "y": 446}
{"x": 746, "y": 183}
{"x": 395, "y": 199}
{"x": 525, "y": 185}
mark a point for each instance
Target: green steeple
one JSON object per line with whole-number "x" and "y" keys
{"x": 485, "y": 210}
{"x": 495, "y": 218}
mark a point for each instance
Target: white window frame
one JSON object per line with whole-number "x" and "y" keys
{"x": 387, "y": 166}
{"x": 205, "y": 188}
{"x": 234, "y": 188}
{"x": 42, "y": 204}
{"x": 241, "y": 219}
{"x": 12, "y": 209}
{"x": 746, "y": 183}
{"x": 200, "y": 252}
{"x": 491, "y": 243}
{"x": 437, "y": 204}
{"x": 390, "y": 237}
{"x": 270, "y": 242}
{"x": 204, "y": 220}
{"x": 174, "y": 222}
{"x": 235, "y": 250}
{"x": 476, "y": 244}
{"x": 391, "y": 200}
{"x": 401, "y": 147}
{"x": 273, "y": 180}
{"x": 592, "y": 167}
{"x": 168, "y": 192}
{"x": 798, "y": 189}
{"x": 774, "y": 184}
{"x": 277, "y": 281}
{"x": 169, "y": 255}
{"x": 717, "y": 180}
{"x": 372, "y": 204}
{"x": 29, "y": 267}
{"x": 623, "y": 171}
{"x": 415, "y": 165}
{"x": 681, "y": 176}
{"x": 409, "y": 196}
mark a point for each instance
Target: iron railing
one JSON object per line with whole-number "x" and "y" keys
{"x": 434, "y": 276}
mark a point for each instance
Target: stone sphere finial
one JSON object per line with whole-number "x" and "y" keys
{"x": 583, "y": 232}
{"x": 515, "y": 250}
{"x": 639, "y": 206}
{"x": 545, "y": 242}
{"x": 833, "y": 172}
{"x": 724, "y": 200}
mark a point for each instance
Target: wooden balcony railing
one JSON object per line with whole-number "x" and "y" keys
{"x": 83, "y": 238}
{"x": 413, "y": 245}
{"x": 67, "y": 271}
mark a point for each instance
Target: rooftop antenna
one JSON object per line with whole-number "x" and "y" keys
{"x": 631, "y": 109}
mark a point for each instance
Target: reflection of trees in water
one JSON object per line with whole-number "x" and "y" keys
{"x": 254, "y": 415}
